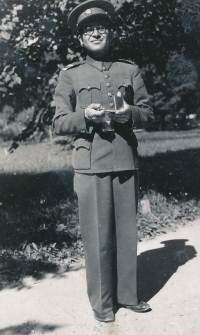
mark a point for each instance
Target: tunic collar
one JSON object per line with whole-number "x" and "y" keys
{"x": 99, "y": 65}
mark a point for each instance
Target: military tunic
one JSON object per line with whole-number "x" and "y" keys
{"x": 98, "y": 82}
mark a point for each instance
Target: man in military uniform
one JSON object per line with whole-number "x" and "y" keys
{"x": 104, "y": 157}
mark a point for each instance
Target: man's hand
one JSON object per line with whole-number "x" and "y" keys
{"x": 95, "y": 113}
{"x": 122, "y": 115}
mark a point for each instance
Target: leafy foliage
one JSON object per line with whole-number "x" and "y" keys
{"x": 36, "y": 42}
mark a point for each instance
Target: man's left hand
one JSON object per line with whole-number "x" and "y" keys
{"x": 121, "y": 115}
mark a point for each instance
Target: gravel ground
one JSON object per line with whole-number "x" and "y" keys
{"x": 169, "y": 278}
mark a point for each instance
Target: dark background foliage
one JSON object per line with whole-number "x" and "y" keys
{"x": 162, "y": 37}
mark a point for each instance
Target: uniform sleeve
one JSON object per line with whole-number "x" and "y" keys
{"x": 142, "y": 113}
{"x": 68, "y": 119}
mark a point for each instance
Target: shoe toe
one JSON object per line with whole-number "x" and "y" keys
{"x": 110, "y": 317}
{"x": 140, "y": 308}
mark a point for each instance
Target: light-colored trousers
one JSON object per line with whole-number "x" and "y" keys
{"x": 107, "y": 217}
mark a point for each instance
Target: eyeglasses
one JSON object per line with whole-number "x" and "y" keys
{"x": 90, "y": 30}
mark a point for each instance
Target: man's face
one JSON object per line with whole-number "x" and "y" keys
{"x": 95, "y": 36}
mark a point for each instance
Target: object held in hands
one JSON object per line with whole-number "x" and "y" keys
{"x": 119, "y": 102}
{"x": 108, "y": 124}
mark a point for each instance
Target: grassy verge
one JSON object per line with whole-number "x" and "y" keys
{"x": 170, "y": 179}
{"x": 39, "y": 216}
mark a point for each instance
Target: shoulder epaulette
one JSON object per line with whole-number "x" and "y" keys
{"x": 70, "y": 66}
{"x": 126, "y": 61}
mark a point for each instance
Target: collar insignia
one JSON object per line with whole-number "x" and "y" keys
{"x": 88, "y": 12}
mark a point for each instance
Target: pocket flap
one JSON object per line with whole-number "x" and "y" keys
{"x": 121, "y": 81}
{"x": 89, "y": 85}
{"x": 82, "y": 143}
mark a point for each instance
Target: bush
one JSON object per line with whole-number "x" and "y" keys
{"x": 11, "y": 124}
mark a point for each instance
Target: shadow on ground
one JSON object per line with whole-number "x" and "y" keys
{"x": 14, "y": 270}
{"x": 37, "y": 210}
{"x": 172, "y": 173}
{"x": 155, "y": 267}
{"x": 20, "y": 189}
{"x": 32, "y": 203}
{"x": 33, "y": 206}
{"x": 28, "y": 328}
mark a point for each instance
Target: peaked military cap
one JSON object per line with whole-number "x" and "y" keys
{"x": 90, "y": 8}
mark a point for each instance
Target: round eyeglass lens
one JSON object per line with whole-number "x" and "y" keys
{"x": 90, "y": 30}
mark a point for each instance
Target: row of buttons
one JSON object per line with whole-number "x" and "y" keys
{"x": 111, "y": 104}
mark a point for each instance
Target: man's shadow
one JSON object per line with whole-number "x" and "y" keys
{"x": 155, "y": 267}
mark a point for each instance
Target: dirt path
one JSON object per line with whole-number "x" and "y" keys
{"x": 169, "y": 278}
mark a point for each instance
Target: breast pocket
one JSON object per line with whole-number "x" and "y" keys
{"x": 81, "y": 157}
{"x": 124, "y": 85}
{"x": 89, "y": 92}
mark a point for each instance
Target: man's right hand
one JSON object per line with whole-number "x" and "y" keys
{"x": 95, "y": 113}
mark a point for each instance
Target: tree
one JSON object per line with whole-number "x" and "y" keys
{"x": 36, "y": 42}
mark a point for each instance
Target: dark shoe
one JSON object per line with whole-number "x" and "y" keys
{"x": 110, "y": 317}
{"x": 140, "y": 308}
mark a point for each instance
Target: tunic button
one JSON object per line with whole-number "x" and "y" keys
{"x": 109, "y": 94}
{"x": 111, "y": 104}
{"x": 103, "y": 68}
{"x": 106, "y": 76}
{"x": 108, "y": 84}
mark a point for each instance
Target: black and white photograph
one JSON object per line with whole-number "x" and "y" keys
{"x": 99, "y": 167}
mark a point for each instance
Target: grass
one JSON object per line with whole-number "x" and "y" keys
{"x": 39, "y": 215}
{"x": 151, "y": 143}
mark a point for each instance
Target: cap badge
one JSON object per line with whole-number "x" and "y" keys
{"x": 88, "y": 12}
